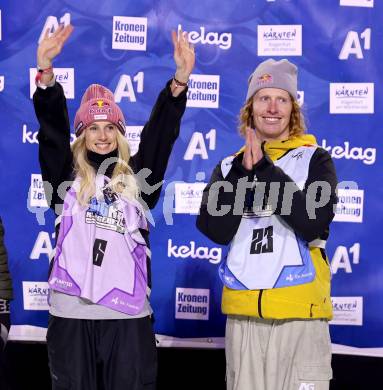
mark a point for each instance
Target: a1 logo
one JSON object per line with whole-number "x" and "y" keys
{"x": 52, "y": 24}
{"x": 352, "y": 44}
{"x": 197, "y": 145}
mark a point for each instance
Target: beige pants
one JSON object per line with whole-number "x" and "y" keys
{"x": 277, "y": 354}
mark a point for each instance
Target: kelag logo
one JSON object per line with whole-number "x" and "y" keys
{"x": 213, "y": 255}
{"x": 223, "y": 40}
{"x": 357, "y": 3}
{"x": 192, "y": 303}
{"x": 65, "y": 76}
{"x": 203, "y": 91}
{"x": 280, "y": 40}
{"x": 367, "y": 155}
{"x": 351, "y": 98}
{"x": 129, "y": 33}
{"x": 30, "y": 137}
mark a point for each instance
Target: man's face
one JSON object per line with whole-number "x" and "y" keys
{"x": 271, "y": 113}
{"x": 101, "y": 137}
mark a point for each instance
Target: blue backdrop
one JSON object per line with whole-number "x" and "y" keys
{"x": 337, "y": 45}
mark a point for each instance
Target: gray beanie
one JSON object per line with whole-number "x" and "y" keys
{"x": 273, "y": 74}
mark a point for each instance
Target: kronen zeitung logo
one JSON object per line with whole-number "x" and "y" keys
{"x": 203, "y": 91}
{"x": 192, "y": 303}
{"x": 350, "y": 205}
{"x": 129, "y": 33}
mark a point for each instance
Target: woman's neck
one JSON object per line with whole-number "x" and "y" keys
{"x": 96, "y": 160}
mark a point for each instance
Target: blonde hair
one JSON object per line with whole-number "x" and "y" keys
{"x": 297, "y": 124}
{"x": 122, "y": 180}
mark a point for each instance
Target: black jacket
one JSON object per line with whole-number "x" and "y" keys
{"x": 6, "y": 291}
{"x": 222, "y": 229}
{"x": 157, "y": 139}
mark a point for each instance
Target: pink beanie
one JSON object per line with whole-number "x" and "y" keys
{"x": 97, "y": 104}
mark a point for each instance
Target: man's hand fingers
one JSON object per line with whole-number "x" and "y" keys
{"x": 247, "y": 159}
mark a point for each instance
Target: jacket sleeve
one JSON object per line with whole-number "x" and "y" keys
{"x": 221, "y": 227}
{"x": 157, "y": 140}
{"x": 306, "y": 217}
{"x": 55, "y": 155}
{"x": 6, "y": 291}
{"x": 308, "y": 225}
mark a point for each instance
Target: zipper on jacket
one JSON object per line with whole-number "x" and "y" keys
{"x": 311, "y": 310}
{"x": 260, "y": 304}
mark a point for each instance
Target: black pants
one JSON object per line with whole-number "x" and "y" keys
{"x": 102, "y": 354}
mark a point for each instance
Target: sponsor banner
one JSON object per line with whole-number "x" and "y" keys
{"x": 351, "y": 98}
{"x": 222, "y": 40}
{"x": 30, "y": 137}
{"x": 280, "y": 40}
{"x": 36, "y": 192}
{"x": 188, "y": 197}
{"x": 203, "y": 91}
{"x": 128, "y": 47}
{"x": 350, "y": 205}
{"x": 192, "y": 303}
{"x": 65, "y": 76}
{"x": 367, "y": 155}
{"x": 357, "y": 3}
{"x": 129, "y": 33}
{"x": 133, "y": 135}
{"x": 213, "y": 255}
{"x": 35, "y": 295}
{"x": 300, "y": 98}
{"x": 347, "y": 311}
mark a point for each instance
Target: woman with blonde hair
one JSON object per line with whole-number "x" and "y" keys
{"x": 100, "y": 333}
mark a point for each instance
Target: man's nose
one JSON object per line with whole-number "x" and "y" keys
{"x": 273, "y": 107}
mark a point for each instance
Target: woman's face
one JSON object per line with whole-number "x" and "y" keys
{"x": 101, "y": 137}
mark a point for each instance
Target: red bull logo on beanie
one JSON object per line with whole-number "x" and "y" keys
{"x": 264, "y": 79}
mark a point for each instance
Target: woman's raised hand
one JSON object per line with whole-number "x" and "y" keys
{"x": 51, "y": 46}
{"x": 184, "y": 55}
